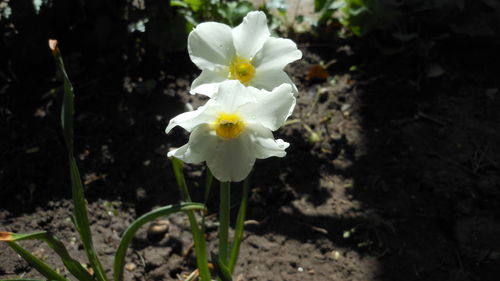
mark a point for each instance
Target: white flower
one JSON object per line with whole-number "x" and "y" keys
{"x": 246, "y": 53}
{"x": 234, "y": 128}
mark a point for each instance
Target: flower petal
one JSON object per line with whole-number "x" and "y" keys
{"x": 201, "y": 146}
{"x": 264, "y": 144}
{"x": 276, "y": 54}
{"x": 234, "y": 159}
{"x": 208, "y": 82}
{"x": 271, "y": 79}
{"x": 210, "y": 45}
{"x": 191, "y": 119}
{"x": 251, "y": 34}
{"x": 271, "y": 109}
{"x": 232, "y": 95}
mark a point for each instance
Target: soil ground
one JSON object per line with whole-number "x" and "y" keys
{"x": 392, "y": 173}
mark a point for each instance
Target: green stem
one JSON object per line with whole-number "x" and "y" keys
{"x": 239, "y": 227}
{"x": 224, "y": 222}
{"x": 198, "y": 235}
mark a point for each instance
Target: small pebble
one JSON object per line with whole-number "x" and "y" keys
{"x": 300, "y": 269}
{"x": 130, "y": 266}
{"x": 336, "y": 255}
{"x": 158, "y": 228}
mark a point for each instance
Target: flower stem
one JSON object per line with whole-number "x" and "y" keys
{"x": 224, "y": 222}
{"x": 198, "y": 235}
{"x": 239, "y": 227}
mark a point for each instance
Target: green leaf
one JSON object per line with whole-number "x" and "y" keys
{"x": 71, "y": 264}
{"x": 134, "y": 227}
{"x": 39, "y": 265}
{"x": 80, "y": 213}
{"x": 239, "y": 227}
{"x": 337, "y": 4}
{"x": 195, "y": 5}
{"x": 324, "y": 10}
{"x": 177, "y": 165}
{"x": 182, "y": 4}
{"x": 318, "y": 5}
{"x": 234, "y": 12}
{"x": 82, "y": 221}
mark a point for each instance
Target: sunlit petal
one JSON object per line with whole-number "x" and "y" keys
{"x": 264, "y": 144}
{"x": 276, "y": 54}
{"x": 272, "y": 108}
{"x": 250, "y": 35}
{"x": 271, "y": 79}
{"x": 208, "y": 82}
{"x": 202, "y": 145}
{"x": 191, "y": 119}
{"x": 232, "y": 94}
{"x": 210, "y": 45}
{"x": 234, "y": 160}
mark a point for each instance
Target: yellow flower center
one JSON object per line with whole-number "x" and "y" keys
{"x": 228, "y": 126}
{"x": 241, "y": 69}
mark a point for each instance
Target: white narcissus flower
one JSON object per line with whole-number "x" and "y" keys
{"x": 234, "y": 128}
{"x": 246, "y": 53}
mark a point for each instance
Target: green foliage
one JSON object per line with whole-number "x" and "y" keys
{"x": 360, "y": 16}
{"x": 71, "y": 264}
{"x": 80, "y": 216}
{"x": 36, "y": 263}
{"x": 196, "y": 11}
{"x": 198, "y": 234}
{"x": 363, "y": 15}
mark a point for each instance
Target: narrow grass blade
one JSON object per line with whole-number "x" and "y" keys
{"x": 82, "y": 221}
{"x": 221, "y": 269}
{"x": 179, "y": 177}
{"x": 71, "y": 264}
{"x": 37, "y": 264}
{"x": 224, "y": 222}
{"x": 80, "y": 212}
{"x": 239, "y": 227}
{"x": 198, "y": 235}
{"x": 68, "y": 108}
{"x": 134, "y": 227}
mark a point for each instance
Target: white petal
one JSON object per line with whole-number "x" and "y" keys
{"x": 202, "y": 145}
{"x": 276, "y": 54}
{"x": 251, "y": 34}
{"x": 210, "y": 45}
{"x": 208, "y": 82}
{"x": 234, "y": 159}
{"x": 232, "y": 95}
{"x": 191, "y": 119}
{"x": 271, "y": 79}
{"x": 264, "y": 144}
{"x": 271, "y": 109}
